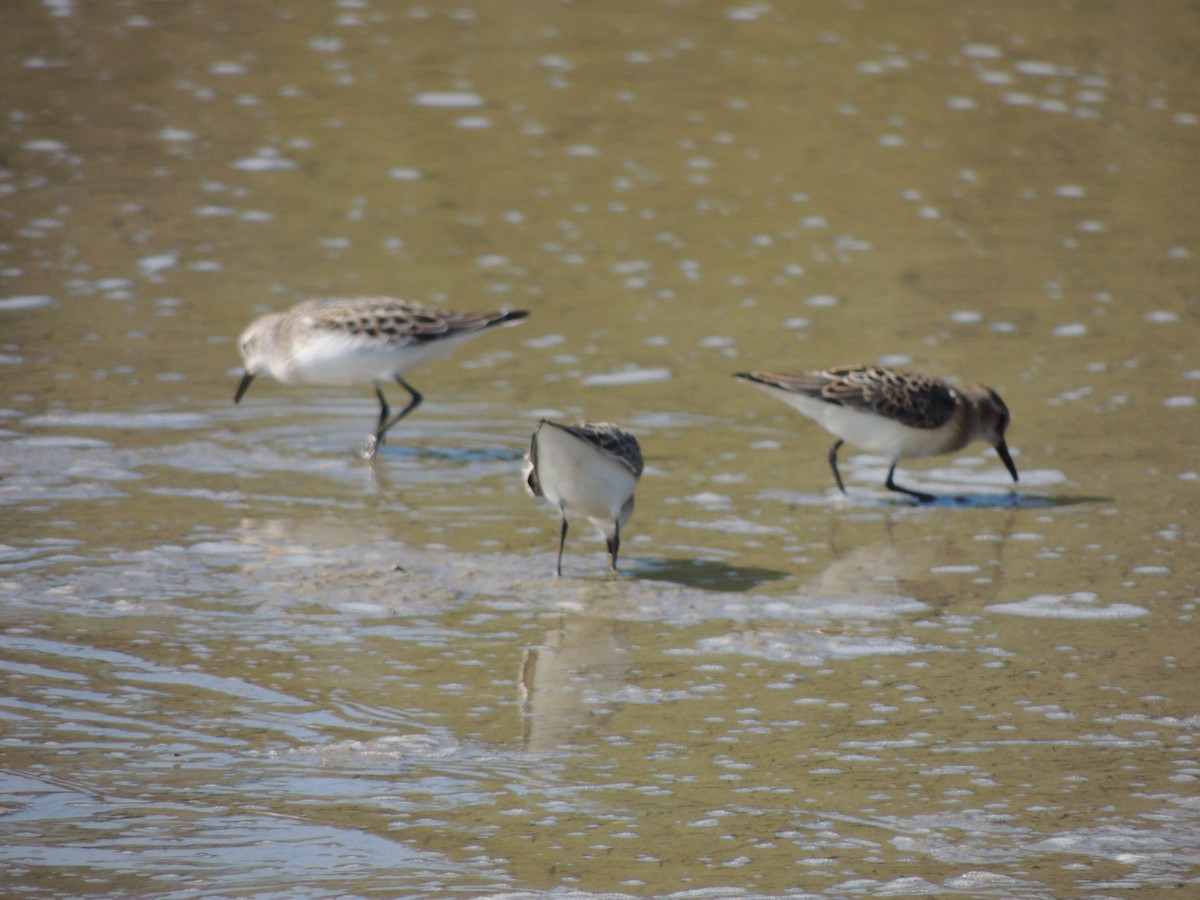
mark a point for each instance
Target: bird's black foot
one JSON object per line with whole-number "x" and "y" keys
{"x": 919, "y": 496}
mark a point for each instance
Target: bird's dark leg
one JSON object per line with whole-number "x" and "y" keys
{"x": 892, "y": 486}
{"x": 381, "y": 429}
{"x": 614, "y": 547}
{"x": 562, "y": 540}
{"x": 833, "y": 465}
{"x": 384, "y": 409}
{"x": 373, "y": 442}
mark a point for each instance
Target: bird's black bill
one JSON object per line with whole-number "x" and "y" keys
{"x": 242, "y": 386}
{"x": 1002, "y": 451}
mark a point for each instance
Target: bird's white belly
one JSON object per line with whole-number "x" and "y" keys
{"x": 580, "y": 478}
{"x": 871, "y": 432}
{"x": 331, "y": 357}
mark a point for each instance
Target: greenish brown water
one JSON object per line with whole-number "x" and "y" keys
{"x": 238, "y": 661}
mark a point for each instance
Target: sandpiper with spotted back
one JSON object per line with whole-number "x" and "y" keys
{"x": 359, "y": 340}
{"x": 590, "y": 469}
{"x": 899, "y": 415}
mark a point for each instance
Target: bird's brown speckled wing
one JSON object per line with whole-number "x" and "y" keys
{"x": 911, "y": 398}
{"x": 613, "y": 440}
{"x": 398, "y": 321}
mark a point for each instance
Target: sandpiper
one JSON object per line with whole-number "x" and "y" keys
{"x": 355, "y": 340}
{"x": 590, "y": 469}
{"x": 899, "y": 415}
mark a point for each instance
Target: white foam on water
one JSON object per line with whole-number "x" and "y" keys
{"x": 1078, "y": 605}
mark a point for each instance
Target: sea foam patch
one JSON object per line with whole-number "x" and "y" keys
{"x": 1078, "y": 605}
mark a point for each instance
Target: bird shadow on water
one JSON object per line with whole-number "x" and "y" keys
{"x": 990, "y": 499}
{"x": 993, "y": 501}
{"x": 453, "y": 454}
{"x": 705, "y": 574}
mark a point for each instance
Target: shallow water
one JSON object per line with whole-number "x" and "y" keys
{"x": 240, "y": 661}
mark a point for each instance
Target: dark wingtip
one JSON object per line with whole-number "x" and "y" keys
{"x": 243, "y": 385}
{"x": 512, "y": 315}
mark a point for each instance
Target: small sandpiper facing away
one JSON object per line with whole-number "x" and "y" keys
{"x": 899, "y": 415}
{"x": 590, "y": 469}
{"x": 355, "y": 340}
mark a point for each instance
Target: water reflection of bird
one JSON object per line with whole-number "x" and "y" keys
{"x": 580, "y": 659}
{"x": 899, "y": 415}
{"x": 364, "y": 339}
{"x": 591, "y": 470}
